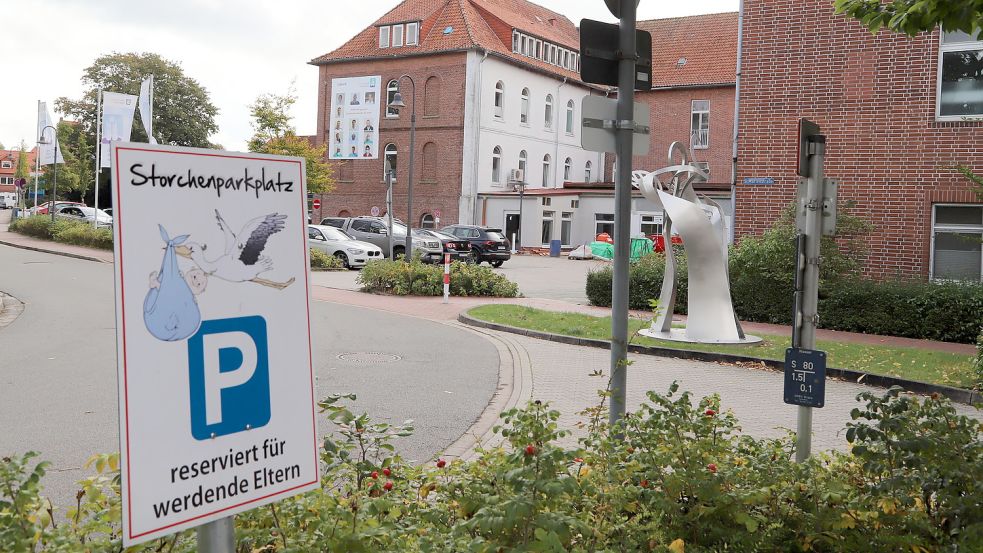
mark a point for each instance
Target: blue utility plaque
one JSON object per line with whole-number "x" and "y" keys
{"x": 805, "y": 377}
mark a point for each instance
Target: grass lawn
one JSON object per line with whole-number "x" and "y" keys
{"x": 910, "y": 363}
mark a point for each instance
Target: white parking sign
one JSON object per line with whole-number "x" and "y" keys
{"x": 216, "y": 387}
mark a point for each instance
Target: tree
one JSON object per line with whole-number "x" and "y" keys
{"x": 273, "y": 134}
{"x": 914, "y": 16}
{"x": 183, "y": 112}
{"x": 22, "y": 171}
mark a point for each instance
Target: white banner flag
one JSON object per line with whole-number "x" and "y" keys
{"x": 147, "y": 107}
{"x": 46, "y": 130}
{"x": 117, "y": 121}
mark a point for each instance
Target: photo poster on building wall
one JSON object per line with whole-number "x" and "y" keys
{"x": 355, "y": 108}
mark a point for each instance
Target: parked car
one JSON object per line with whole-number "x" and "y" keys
{"x": 84, "y": 213}
{"x": 42, "y": 209}
{"x": 109, "y": 211}
{"x": 487, "y": 244}
{"x": 458, "y": 248}
{"x": 375, "y": 230}
{"x": 353, "y": 253}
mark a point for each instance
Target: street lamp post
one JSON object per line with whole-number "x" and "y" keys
{"x": 522, "y": 190}
{"x": 397, "y": 104}
{"x": 54, "y": 187}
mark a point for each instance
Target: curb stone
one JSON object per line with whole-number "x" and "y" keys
{"x": 53, "y": 252}
{"x": 967, "y": 397}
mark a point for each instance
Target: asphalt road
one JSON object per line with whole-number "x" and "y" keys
{"x": 58, "y": 367}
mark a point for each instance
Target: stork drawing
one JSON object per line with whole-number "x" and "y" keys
{"x": 242, "y": 259}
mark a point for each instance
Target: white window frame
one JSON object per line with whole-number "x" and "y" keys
{"x": 604, "y": 222}
{"x": 415, "y": 33}
{"x": 6, "y": 164}
{"x": 570, "y": 119}
{"x": 385, "y": 156}
{"x": 547, "y": 166}
{"x": 566, "y": 220}
{"x": 549, "y": 217}
{"x": 567, "y": 168}
{"x": 516, "y": 39}
{"x": 384, "y": 33}
{"x": 955, "y": 229}
{"x": 397, "y": 40}
{"x": 391, "y": 87}
{"x": 523, "y": 163}
{"x": 943, "y": 49}
{"x": 548, "y": 111}
{"x": 642, "y": 215}
{"x": 499, "y": 101}
{"x": 693, "y": 132}
{"x": 524, "y": 107}
{"x": 587, "y": 170}
{"x": 496, "y": 165}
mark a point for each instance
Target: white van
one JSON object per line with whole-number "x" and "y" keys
{"x": 8, "y": 200}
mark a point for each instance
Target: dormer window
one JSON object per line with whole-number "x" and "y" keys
{"x": 412, "y": 33}
{"x": 384, "y": 36}
{"x": 400, "y": 34}
{"x": 542, "y": 50}
{"x": 397, "y": 36}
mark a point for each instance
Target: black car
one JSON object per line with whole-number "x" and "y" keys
{"x": 487, "y": 244}
{"x": 458, "y": 248}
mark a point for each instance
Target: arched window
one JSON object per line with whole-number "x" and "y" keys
{"x": 587, "y": 172}
{"x": 497, "y": 165}
{"x": 344, "y": 213}
{"x": 549, "y": 111}
{"x": 567, "y": 164}
{"x": 429, "y": 162}
{"x": 431, "y": 97}
{"x": 427, "y": 221}
{"x": 499, "y": 99}
{"x": 391, "y": 89}
{"x": 546, "y": 170}
{"x": 524, "y": 112}
{"x": 570, "y": 116}
{"x": 523, "y": 157}
{"x": 391, "y": 155}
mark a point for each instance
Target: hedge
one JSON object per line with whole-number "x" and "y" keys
{"x": 66, "y": 231}
{"x": 421, "y": 279}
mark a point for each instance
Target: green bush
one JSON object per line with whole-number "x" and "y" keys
{"x": 420, "y": 279}
{"x": 323, "y": 261}
{"x": 978, "y": 362}
{"x": 77, "y": 233}
{"x": 645, "y": 282}
{"x": 684, "y": 477}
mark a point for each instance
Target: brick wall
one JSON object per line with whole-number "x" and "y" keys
{"x": 875, "y": 99}
{"x": 360, "y": 183}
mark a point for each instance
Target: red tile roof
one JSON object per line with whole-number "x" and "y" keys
{"x": 473, "y": 24}
{"x": 708, "y": 43}
{"x": 11, "y": 156}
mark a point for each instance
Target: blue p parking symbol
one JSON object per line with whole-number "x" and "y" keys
{"x": 229, "y": 377}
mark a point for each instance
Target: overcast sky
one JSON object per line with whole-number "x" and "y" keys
{"x": 236, "y": 49}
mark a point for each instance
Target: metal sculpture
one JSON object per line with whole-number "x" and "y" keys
{"x": 700, "y": 222}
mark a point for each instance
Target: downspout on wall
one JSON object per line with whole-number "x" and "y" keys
{"x": 556, "y": 134}
{"x": 477, "y": 145}
{"x": 737, "y": 115}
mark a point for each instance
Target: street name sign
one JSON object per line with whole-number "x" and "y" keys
{"x": 598, "y": 130}
{"x": 805, "y": 377}
{"x": 216, "y": 386}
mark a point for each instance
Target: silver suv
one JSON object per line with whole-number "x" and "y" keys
{"x": 375, "y": 230}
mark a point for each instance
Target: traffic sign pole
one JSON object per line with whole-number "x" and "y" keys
{"x": 622, "y": 211}
{"x": 217, "y": 537}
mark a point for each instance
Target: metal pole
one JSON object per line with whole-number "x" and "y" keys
{"x": 95, "y": 220}
{"x": 218, "y": 536}
{"x": 522, "y": 192}
{"x": 389, "y": 206}
{"x": 54, "y": 184}
{"x": 409, "y": 197}
{"x": 806, "y": 338}
{"x": 37, "y": 160}
{"x": 622, "y": 212}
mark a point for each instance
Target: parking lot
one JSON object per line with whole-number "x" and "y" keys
{"x": 556, "y": 278}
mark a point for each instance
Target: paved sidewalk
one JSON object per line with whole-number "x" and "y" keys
{"x": 18, "y": 240}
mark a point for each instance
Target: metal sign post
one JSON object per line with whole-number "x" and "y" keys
{"x": 389, "y": 205}
{"x": 217, "y": 537}
{"x": 805, "y": 368}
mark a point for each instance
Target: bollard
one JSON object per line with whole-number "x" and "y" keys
{"x": 447, "y": 276}
{"x": 514, "y": 251}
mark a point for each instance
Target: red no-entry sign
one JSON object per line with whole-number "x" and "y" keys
{"x": 316, "y": 204}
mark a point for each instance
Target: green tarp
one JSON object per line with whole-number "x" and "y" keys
{"x": 639, "y": 247}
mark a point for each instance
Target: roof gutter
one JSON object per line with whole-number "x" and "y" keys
{"x": 692, "y": 86}
{"x": 737, "y": 115}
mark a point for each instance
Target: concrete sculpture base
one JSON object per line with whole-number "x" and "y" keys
{"x": 679, "y": 335}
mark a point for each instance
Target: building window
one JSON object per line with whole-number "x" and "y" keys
{"x": 574, "y": 204}
{"x": 6, "y": 164}
{"x": 523, "y": 157}
{"x": 651, "y": 224}
{"x": 515, "y": 41}
{"x": 566, "y": 223}
{"x": 567, "y": 165}
{"x": 524, "y": 108}
{"x": 397, "y": 35}
{"x": 604, "y": 224}
{"x": 547, "y": 201}
{"x": 960, "y": 75}
{"x": 705, "y": 165}
{"x": 546, "y": 170}
{"x": 384, "y": 36}
{"x": 957, "y": 242}
{"x": 548, "y": 227}
{"x": 549, "y": 111}
{"x": 427, "y": 221}
{"x": 499, "y": 99}
{"x": 431, "y": 97}
{"x": 430, "y": 162}
{"x": 391, "y": 89}
{"x": 587, "y": 168}
{"x": 391, "y": 155}
{"x": 497, "y": 165}
{"x": 700, "y": 128}
{"x": 412, "y": 33}
{"x": 569, "y": 116}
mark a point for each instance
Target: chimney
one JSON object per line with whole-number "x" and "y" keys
{"x": 552, "y": 22}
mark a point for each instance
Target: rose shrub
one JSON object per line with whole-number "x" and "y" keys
{"x": 679, "y": 479}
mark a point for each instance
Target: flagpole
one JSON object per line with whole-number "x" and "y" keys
{"x": 37, "y": 159}
{"x": 150, "y": 118}
{"x": 95, "y": 218}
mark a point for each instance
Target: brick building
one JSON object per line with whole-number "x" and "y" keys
{"x": 896, "y": 111}
{"x": 8, "y": 166}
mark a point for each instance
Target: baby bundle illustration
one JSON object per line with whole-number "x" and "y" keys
{"x": 170, "y": 308}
